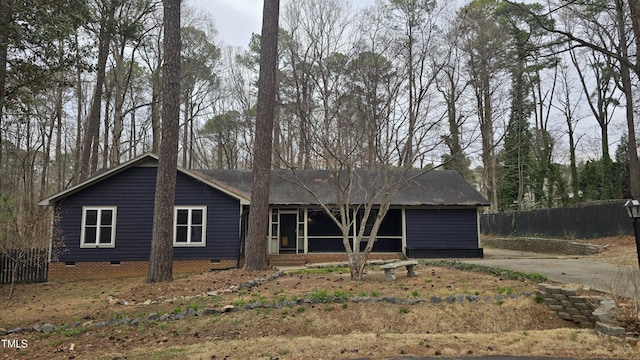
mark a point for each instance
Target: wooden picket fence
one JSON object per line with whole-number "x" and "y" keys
{"x": 32, "y": 266}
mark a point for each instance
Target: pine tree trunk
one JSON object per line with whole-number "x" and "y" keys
{"x": 91, "y": 134}
{"x": 161, "y": 258}
{"x": 256, "y": 243}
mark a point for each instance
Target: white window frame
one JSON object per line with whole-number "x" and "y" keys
{"x": 98, "y": 244}
{"x": 203, "y": 243}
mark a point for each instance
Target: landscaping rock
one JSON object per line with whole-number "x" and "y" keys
{"x": 47, "y": 328}
{"x": 392, "y": 300}
{"x": 256, "y": 305}
{"x": 602, "y": 315}
{"x": 570, "y": 291}
{"x": 609, "y": 329}
{"x": 473, "y": 298}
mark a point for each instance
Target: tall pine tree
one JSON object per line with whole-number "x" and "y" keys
{"x": 256, "y": 243}
{"x": 161, "y": 258}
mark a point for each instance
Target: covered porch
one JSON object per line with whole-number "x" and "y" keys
{"x": 310, "y": 230}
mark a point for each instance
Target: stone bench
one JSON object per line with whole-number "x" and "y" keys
{"x": 390, "y": 269}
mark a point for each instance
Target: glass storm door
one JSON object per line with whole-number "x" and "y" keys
{"x": 288, "y": 237}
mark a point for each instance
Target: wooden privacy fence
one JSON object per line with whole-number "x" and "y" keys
{"x": 32, "y": 266}
{"x": 581, "y": 222}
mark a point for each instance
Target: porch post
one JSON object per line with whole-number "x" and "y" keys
{"x": 305, "y": 235}
{"x": 404, "y": 232}
{"x": 270, "y": 233}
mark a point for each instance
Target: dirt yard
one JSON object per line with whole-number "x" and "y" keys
{"x": 283, "y": 326}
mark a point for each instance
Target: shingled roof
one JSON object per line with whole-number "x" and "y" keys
{"x": 430, "y": 188}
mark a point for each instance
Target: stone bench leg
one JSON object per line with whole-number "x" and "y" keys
{"x": 411, "y": 271}
{"x": 390, "y": 274}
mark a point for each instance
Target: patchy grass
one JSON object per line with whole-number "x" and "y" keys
{"x": 335, "y": 327}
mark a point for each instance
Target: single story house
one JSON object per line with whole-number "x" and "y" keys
{"x": 104, "y": 224}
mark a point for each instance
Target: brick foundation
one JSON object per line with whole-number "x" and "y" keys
{"x": 59, "y": 271}
{"x": 104, "y": 270}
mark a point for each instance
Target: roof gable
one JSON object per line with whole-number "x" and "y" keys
{"x": 147, "y": 159}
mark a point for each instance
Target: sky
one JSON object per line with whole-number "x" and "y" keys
{"x": 236, "y": 20}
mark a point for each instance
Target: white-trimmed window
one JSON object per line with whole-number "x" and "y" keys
{"x": 98, "y": 227}
{"x": 190, "y": 226}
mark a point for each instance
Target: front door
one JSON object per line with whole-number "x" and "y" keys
{"x": 288, "y": 233}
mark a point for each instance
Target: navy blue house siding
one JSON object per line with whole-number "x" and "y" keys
{"x": 132, "y": 192}
{"x": 441, "y": 229}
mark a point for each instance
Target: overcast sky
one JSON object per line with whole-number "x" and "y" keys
{"x": 235, "y": 20}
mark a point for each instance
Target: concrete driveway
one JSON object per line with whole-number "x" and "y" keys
{"x": 570, "y": 270}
